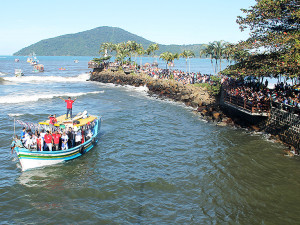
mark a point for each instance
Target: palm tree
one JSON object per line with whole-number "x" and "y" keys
{"x": 105, "y": 47}
{"x": 140, "y": 52}
{"x": 121, "y": 52}
{"x": 219, "y": 48}
{"x": 208, "y": 51}
{"x": 151, "y": 49}
{"x": 215, "y": 50}
{"x": 229, "y": 52}
{"x": 169, "y": 58}
{"x": 132, "y": 47}
{"x": 187, "y": 54}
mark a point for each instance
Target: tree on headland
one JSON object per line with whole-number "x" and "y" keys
{"x": 187, "y": 54}
{"x": 151, "y": 49}
{"x": 207, "y": 51}
{"x": 169, "y": 58}
{"x": 219, "y": 48}
{"x": 140, "y": 52}
{"x": 105, "y": 47}
{"x": 132, "y": 48}
{"x": 274, "y": 42}
{"x": 216, "y": 52}
{"x": 121, "y": 52}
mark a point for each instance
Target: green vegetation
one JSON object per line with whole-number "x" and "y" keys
{"x": 187, "y": 54}
{"x": 169, "y": 58}
{"x": 273, "y": 48}
{"x": 215, "y": 88}
{"x": 87, "y": 43}
{"x": 216, "y": 51}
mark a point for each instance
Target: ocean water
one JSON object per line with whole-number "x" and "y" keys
{"x": 156, "y": 162}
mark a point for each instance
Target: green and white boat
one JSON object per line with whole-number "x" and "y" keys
{"x": 31, "y": 158}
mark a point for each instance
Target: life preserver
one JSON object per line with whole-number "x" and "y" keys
{"x": 81, "y": 150}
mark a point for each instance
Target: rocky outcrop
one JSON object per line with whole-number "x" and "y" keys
{"x": 196, "y": 97}
{"x": 192, "y": 96}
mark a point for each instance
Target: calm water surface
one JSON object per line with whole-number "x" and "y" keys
{"x": 156, "y": 162}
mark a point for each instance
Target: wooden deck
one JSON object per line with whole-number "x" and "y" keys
{"x": 253, "y": 109}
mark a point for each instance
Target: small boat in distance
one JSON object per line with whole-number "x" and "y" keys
{"x": 38, "y": 68}
{"x": 17, "y": 60}
{"x": 76, "y": 61}
{"x": 62, "y": 68}
{"x": 18, "y": 73}
{"x": 29, "y": 59}
{"x": 32, "y": 59}
{"x": 32, "y": 157}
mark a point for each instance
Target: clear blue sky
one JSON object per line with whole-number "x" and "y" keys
{"x": 163, "y": 21}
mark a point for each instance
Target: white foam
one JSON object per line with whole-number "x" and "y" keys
{"x": 33, "y": 98}
{"x": 141, "y": 89}
{"x": 3, "y": 74}
{"x": 15, "y": 114}
{"x": 39, "y": 79}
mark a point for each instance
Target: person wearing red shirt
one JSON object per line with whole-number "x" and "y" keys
{"x": 48, "y": 140}
{"x": 39, "y": 143}
{"x": 69, "y": 102}
{"x": 52, "y": 121}
{"x": 56, "y": 139}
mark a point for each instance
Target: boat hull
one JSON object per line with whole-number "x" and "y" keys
{"x": 34, "y": 159}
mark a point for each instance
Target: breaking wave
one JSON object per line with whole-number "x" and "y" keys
{"x": 15, "y": 114}
{"x": 33, "y": 98}
{"x": 38, "y": 79}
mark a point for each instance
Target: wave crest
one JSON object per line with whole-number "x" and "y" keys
{"x": 38, "y": 79}
{"x": 34, "y": 98}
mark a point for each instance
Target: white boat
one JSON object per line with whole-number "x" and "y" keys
{"x": 18, "y": 73}
{"x": 31, "y": 158}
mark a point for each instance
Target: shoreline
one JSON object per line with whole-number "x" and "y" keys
{"x": 207, "y": 106}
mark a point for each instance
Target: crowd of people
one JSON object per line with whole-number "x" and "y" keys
{"x": 251, "y": 91}
{"x": 55, "y": 139}
{"x": 258, "y": 93}
{"x": 159, "y": 73}
{"x": 178, "y": 75}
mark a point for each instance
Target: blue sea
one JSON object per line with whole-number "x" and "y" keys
{"x": 157, "y": 162}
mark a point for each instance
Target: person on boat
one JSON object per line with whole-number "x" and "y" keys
{"x": 30, "y": 142}
{"x": 34, "y": 139}
{"x": 70, "y": 134}
{"x": 88, "y": 131}
{"x": 56, "y": 139}
{"x": 42, "y": 135}
{"x": 78, "y": 138}
{"x": 16, "y": 143}
{"x": 23, "y": 134}
{"x": 26, "y": 136}
{"x": 64, "y": 141}
{"x": 39, "y": 143}
{"x": 48, "y": 140}
{"x": 82, "y": 135}
{"x": 52, "y": 121}
{"x": 69, "y": 102}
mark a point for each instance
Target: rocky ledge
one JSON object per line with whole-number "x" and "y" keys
{"x": 199, "y": 98}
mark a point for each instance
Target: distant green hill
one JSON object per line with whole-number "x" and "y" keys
{"x": 87, "y": 43}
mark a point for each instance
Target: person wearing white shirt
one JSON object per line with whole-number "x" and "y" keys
{"x": 78, "y": 138}
{"x": 64, "y": 141}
